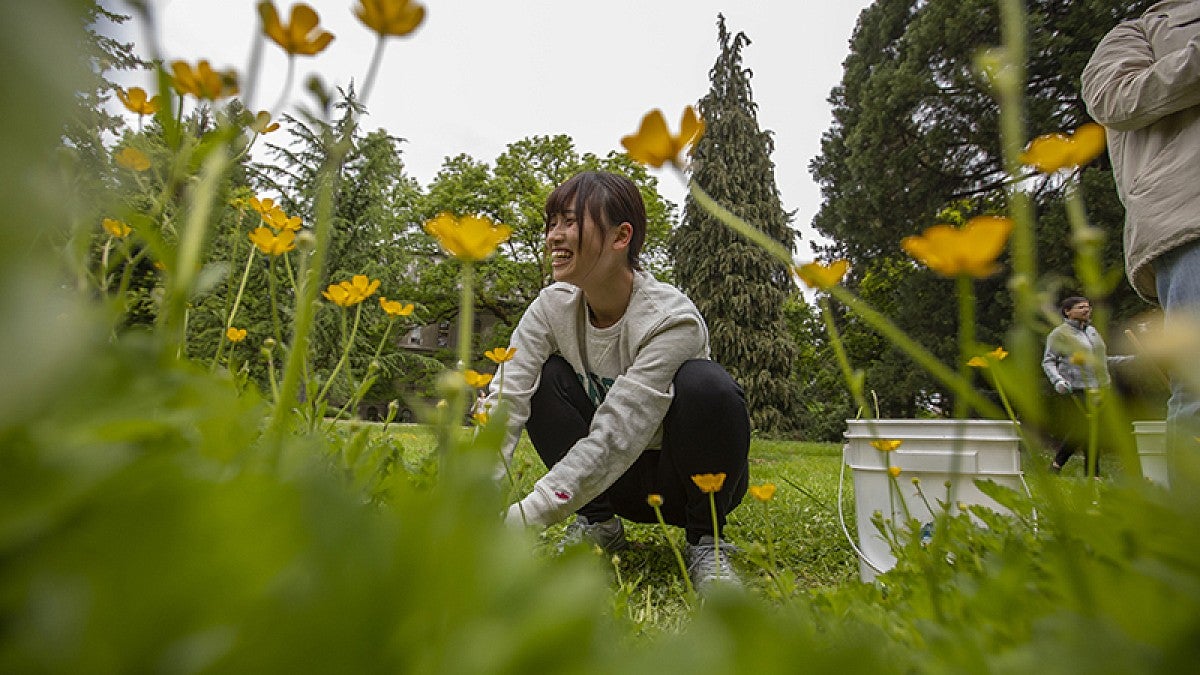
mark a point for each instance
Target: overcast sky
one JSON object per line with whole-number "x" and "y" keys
{"x": 480, "y": 74}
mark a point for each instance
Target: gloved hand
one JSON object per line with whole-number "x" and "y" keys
{"x": 1062, "y": 387}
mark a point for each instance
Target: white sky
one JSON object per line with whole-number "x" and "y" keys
{"x": 480, "y": 74}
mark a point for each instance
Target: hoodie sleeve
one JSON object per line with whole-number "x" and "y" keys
{"x": 623, "y": 426}
{"x": 519, "y": 378}
{"x": 1052, "y": 356}
{"x": 1126, "y": 87}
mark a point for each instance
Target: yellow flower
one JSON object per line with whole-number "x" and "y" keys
{"x": 395, "y": 307}
{"x": 390, "y": 17}
{"x": 984, "y": 361}
{"x": 481, "y": 418}
{"x": 235, "y": 334}
{"x": 1080, "y": 358}
{"x": 1054, "y": 152}
{"x": 653, "y": 143}
{"x": 203, "y": 82}
{"x": 131, "y": 158}
{"x": 821, "y": 276}
{"x": 971, "y": 250}
{"x": 279, "y": 220}
{"x": 654, "y": 500}
{"x": 468, "y": 237}
{"x": 501, "y": 354}
{"x": 273, "y": 244}
{"x": 116, "y": 228}
{"x": 338, "y": 295}
{"x": 263, "y": 206}
{"x": 886, "y": 446}
{"x": 262, "y": 124}
{"x": 709, "y": 482}
{"x": 135, "y": 99}
{"x": 363, "y": 286}
{"x": 764, "y": 492}
{"x": 301, "y": 37}
{"x": 350, "y": 293}
{"x": 894, "y": 471}
{"x": 477, "y": 380}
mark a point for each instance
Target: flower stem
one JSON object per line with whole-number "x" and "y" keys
{"x": 104, "y": 265}
{"x": 372, "y": 70}
{"x": 687, "y": 580}
{"x": 853, "y": 381}
{"x": 916, "y": 352}
{"x": 466, "y": 327}
{"x": 345, "y": 353}
{"x": 306, "y": 295}
{"x": 1010, "y": 92}
{"x": 237, "y": 300}
{"x": 272, "y": 293}
{"x": 191, "y": 242}
{"x": 287, "y": 84}
{"x": 740, "y": 226}
{"x": 382, "y": 341}
{"x": 966, "y": 338}
{"x": 712, "y": 506}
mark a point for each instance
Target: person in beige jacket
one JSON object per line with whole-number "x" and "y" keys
{"x": 1143, "y": 84}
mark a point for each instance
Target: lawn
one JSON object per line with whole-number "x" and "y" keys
{"x": 799, "y": 528}
{"x": 801, "y": 522}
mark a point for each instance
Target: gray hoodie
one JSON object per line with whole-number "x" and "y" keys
{"x": 660, "y": 330}
{"x": 1076, "y": 354}
{"x": 1143, "y": 84}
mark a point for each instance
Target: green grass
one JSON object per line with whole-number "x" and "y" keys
{"x": 801, "y": 523}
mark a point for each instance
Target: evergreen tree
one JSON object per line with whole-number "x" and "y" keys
{"x": 372, "y": 213}
{"x": 737, "y": 286}
{"x": 915, "y": 141}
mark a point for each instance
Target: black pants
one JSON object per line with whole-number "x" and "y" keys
{"x": 706, "y": 430}
{"x": 1072, "y": 433}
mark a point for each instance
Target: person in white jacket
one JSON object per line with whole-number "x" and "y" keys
{"x": 1143, "y": 84}
{"x": 613, "y": 382}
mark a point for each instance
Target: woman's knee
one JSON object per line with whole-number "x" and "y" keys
{"x": 557, "y": 387}
{"x": 707, "y": 383}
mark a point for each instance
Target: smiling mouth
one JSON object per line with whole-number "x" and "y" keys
{"x": 559, "y": 257}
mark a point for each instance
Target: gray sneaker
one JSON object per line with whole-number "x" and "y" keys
{"x": 609, "y": 534}
{"x": 704, "y": 566}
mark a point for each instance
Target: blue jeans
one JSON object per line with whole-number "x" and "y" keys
{"x": 1178, "y": 285}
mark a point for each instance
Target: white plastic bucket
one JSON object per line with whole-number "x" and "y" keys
{"x": 935, "y": 451}
{"x": 1151, "y": 439}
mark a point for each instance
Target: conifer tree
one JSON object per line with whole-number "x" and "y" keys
{"x": 737, "y": 286}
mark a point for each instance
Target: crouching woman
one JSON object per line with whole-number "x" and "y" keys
{"x": 613, "y": 382}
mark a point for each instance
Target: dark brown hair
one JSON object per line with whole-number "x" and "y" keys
{"x": 1070, "y": 302}
{"x": 609, "y": 199}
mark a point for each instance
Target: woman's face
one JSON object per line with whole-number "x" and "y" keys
{"x": 572, "y": 256}
{"x": 1080, "y": 311}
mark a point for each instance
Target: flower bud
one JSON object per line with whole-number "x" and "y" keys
{"x": 306, "y": 241}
